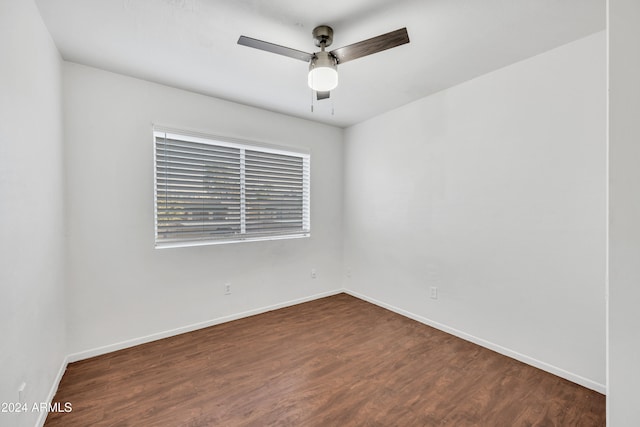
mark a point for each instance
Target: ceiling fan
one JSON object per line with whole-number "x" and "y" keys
{"x": 323, "y": 66}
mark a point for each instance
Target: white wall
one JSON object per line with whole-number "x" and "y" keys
{"x": 32, "y": 304}
{"x": 493, "y": 191}
{"x": 120, "y": 287}
{"x": 624, "y": 213}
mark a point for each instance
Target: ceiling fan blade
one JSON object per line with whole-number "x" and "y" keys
{"x": 274, "y": 48}
{"x": 322, "y": 95}
{"x": 372, "y": 45}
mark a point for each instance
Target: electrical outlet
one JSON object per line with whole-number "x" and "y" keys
{"x": 21, "y": 389}
{"x": 314, "y": 273}
{"x": 227, "y": 288}
{"x": 434, "y": 292}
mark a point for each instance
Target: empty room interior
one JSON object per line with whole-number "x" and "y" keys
{"x": 348, "y": 212}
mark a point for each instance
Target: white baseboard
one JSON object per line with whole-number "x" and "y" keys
{"x": 585, "y": 382}
{"x": 189, "y": 328}
{"x": 52, "y": 392}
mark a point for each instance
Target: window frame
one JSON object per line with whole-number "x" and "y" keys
{"x": 242, "y": 145}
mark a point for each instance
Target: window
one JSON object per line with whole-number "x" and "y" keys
{"x": 213, "y": 190}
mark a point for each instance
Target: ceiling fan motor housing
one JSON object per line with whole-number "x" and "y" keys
{"x": 323, "y": 59}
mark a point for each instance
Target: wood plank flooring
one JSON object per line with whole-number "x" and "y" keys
{"x": 337, "y": 361}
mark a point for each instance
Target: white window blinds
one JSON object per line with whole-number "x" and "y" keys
{"x": 210, "y": 191}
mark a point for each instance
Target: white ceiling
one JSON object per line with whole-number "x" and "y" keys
{"x": 192, "y": 44}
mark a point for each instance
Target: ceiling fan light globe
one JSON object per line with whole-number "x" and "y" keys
{"x": 323, "y": 79}
{"x": 323, "y": 72}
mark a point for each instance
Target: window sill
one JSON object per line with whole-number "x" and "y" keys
{"x": 169, "y": 245}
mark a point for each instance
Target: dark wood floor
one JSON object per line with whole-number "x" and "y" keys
{"x": 337, "y": 361}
